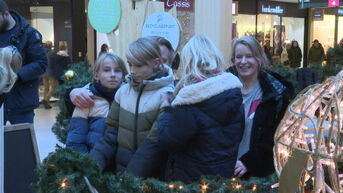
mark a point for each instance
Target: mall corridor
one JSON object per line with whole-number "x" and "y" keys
{"x": 46, "y": 139}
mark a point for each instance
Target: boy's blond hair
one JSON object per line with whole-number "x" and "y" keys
{"x": 143, "y": 50}
{"x": 116, "y": 59}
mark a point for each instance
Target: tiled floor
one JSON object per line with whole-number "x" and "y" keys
{"x": 46, "y": 139}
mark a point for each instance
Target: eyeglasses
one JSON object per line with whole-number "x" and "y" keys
{"x": 14, "y": 50}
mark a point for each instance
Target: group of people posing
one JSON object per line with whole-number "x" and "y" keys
{"x": 213, "y": 121}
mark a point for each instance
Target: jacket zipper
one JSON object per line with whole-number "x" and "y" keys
{"x": 135, "y": 134}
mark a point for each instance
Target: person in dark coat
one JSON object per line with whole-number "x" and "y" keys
{"x": 338, "y": 53}
{"x": 266, "y": 96}
{"x": 58, "y": 63}
{"x": 316, "y": 54}
{"x": 204, "y": 124}
{"x": 295, "y": 55}
{"x": 23, "y": 97}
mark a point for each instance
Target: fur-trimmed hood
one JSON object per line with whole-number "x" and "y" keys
{"x": 198, "y": 92}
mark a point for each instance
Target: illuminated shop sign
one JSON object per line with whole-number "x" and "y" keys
{"x": 272, "y": 9}
{"x": 319, "y": 3}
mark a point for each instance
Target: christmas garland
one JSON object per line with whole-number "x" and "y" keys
{"x": 65, "y": 171}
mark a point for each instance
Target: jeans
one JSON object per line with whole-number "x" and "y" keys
{"x": 15, "y": 117}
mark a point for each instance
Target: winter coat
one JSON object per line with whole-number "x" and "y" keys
{"x": 24, "y": 95}
{"x": 276, "y": 95}
{"x": 87, "y": 125}
{"x": 338, "y": 54}
{"x": 316, "y": 54}
{"x": 132, "y": 115}
{"x": 294, "y": 57}
{"x": 58, "y": 64}
{"x": 203, "y": 128}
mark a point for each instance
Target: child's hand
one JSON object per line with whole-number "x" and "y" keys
{"x": 166, "y": 99}
{"x": 81, "y": 98}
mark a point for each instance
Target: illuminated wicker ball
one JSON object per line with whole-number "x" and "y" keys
{"x": 313, "y": 125}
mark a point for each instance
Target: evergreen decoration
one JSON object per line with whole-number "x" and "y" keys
{"x": 81, "y": 75}
{"x": 65, "y": 169}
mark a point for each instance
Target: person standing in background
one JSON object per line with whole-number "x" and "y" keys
{"x": 316, "y": 54}
{"x": 58, "y": 63}
{"x": 23, "y": 98}
{"x": 48, "y": 80}
{"x": 295, "y": 55}
{"x": 103, "y": 49}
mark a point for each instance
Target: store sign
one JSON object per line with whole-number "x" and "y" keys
{"x": 104, "y": 15}
{"x": 318, "y": 3}
{"x": 272, "y": 9}
{"x": 318, "y": 14}
{"x": 340, "y": 12}
{"x": 186, "y": 5}
{"x": 162, "y": 24}
{"x": 333, "y": 3}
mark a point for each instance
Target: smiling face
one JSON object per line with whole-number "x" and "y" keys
{"x": 245, "y": 62}
{"x": 110, "y": 74}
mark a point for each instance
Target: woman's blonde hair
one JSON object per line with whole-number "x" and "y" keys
{"x": 62, "y": 45}
{"x": 116, "y": 59}
{"x": 200, "y": 59}
{"x": 10, "y": 63}
{"x": 143, "y": 50}
{"x": 255, "y": 48}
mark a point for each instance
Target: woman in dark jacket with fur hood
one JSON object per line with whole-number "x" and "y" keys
{"x": 204, "y": 124}
{"x": 265, "y": 97}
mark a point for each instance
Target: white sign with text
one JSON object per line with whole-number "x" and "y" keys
{"x": 162, "y": 24}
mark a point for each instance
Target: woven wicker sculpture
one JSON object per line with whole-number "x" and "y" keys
{"x": 308, "y": 141}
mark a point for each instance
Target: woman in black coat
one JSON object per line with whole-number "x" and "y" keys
{"x": 295, "y": 55}
{"x": 265, "y": 96}
{"x": 203, "y": 126}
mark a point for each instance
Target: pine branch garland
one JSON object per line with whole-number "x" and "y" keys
{"x": 64, "y": 171}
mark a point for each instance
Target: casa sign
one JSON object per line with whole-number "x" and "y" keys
{"x": 186, "y": 5}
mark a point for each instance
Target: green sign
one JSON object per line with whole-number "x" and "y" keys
{"x": 314, "y": 3}
{"x": 104, "y": 15}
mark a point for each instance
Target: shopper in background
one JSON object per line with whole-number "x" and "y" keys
{"x": 103, "y": 49}
{"x": 284, "y": 54}
{"x": 316, "y": 54}
{"x": 295, "y": 55}
{"x": 58, "y": 63}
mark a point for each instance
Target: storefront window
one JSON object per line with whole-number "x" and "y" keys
{"x": 340, "y": 28}
{"x": 243, "y": 25}
{"x": 294, "y": 30}
{"x": 324, "y": 31}
{"x": 266, "y": 25}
